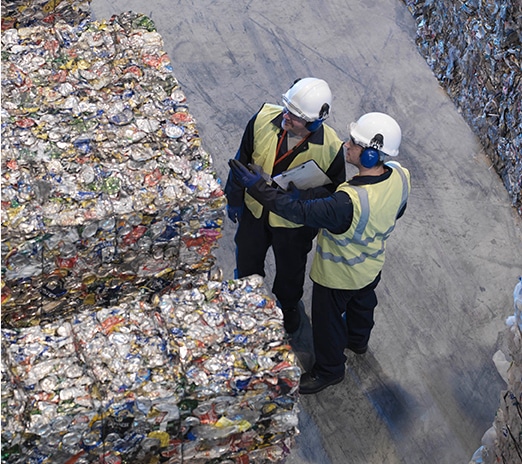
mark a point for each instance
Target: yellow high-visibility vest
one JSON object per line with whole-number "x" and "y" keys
{"x": 353, "y": 259}
{"x": 265, "y": 146}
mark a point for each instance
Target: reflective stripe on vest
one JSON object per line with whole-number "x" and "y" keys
{"x": 353, "y": 259}
{"x": 265, "y": 145}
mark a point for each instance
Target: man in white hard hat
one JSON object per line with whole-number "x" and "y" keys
{"x": 278, "y": 138}
{"x": 355, "y": 223}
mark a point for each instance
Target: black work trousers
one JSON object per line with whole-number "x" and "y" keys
{"x": 339, "y": 318}
{"x": 290, "y": 247}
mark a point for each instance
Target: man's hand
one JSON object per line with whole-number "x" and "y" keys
{"x": 234, "y": 213}
{"x": 242, "y": 174}
{"x": 294, "y": 192}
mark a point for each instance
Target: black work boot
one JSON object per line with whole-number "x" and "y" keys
{"x": 311, "y": 382}
{"x": 292, "y": 317}
{"x": 357, "y": 349}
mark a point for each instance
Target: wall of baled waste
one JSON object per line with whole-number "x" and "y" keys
{"x": 502, "y": 442}
{"x": 121, "y": 343}
{"x": 474, "y": 48}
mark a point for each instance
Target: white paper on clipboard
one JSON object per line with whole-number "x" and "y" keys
{"x": 304, "y": 176}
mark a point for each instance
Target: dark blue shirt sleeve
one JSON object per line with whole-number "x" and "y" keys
{"x": 334, "y": 213}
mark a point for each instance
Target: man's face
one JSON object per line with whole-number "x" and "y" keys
{"x": 293, "y": 123}
{"x": 352, "y": 151}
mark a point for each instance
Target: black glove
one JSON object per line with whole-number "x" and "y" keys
{"x": 294, "y": 192}
{"x": 235, "y": 213}
{"x": 242, "y": 174}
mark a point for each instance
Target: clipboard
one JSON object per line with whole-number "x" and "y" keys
{"x": 304, "y": 176}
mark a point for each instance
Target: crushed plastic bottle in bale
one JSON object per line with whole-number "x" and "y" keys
{"x": 121, "y": 343}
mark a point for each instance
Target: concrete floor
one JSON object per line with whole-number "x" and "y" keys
{"x": 427, "y": 389}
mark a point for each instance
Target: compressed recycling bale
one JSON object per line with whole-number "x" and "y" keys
{"x": 28, "y": 13}
{"x": 475, "y": 51}
{"x": 502, "y": 442}
{"x": 102, "y": 169}
{"x": 119, "y": 343}
{"x": 123, "y": 377}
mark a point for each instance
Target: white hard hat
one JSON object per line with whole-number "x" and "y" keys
{"x": 309, "y": 98}
{"x": 377, "y": 130}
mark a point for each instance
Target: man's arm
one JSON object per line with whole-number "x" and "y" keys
{"x": 333, "y": 213}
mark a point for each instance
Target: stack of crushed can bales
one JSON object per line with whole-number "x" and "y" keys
{"x": 475, "y": 50}
{"x": 503, "y": 441}
{"x": 121, "y": 343}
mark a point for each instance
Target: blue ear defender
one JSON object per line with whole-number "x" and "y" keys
{"x": 314, "y": 125}
{"x": 323, "y": 114}
{"x": 370, "y": 156}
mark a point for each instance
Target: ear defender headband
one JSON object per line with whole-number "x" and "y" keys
{"x": 370, "y": 156}
{"x": 323, "y": 114}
